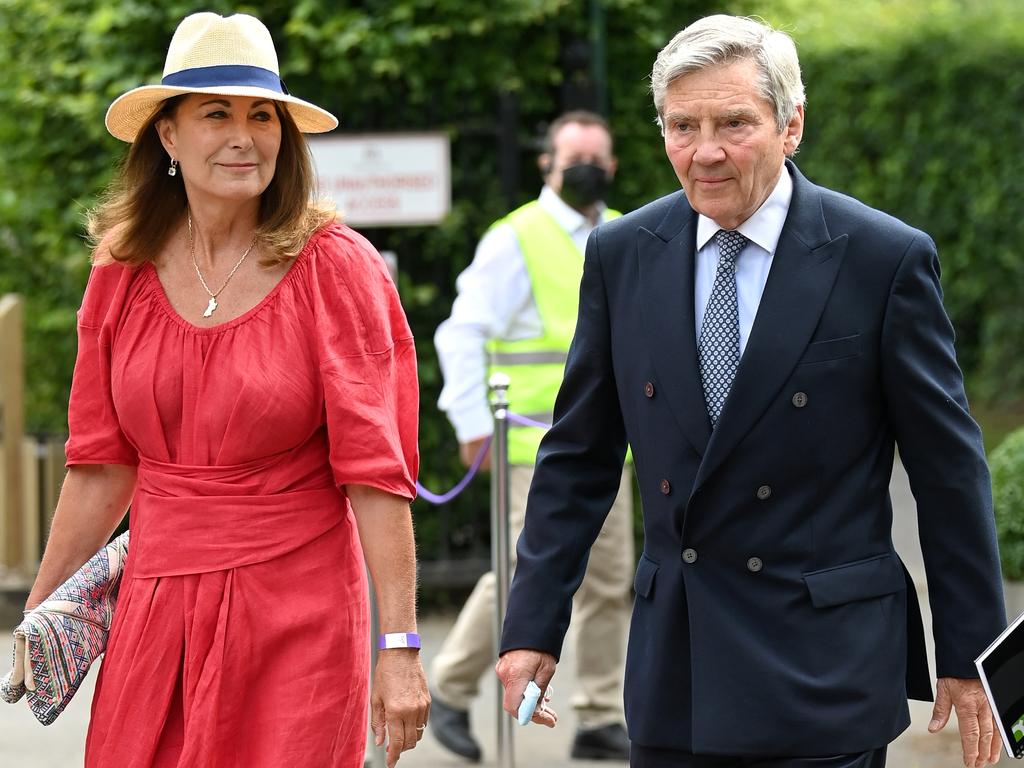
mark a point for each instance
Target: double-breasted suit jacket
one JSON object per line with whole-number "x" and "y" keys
{"x": 772, "y": 614}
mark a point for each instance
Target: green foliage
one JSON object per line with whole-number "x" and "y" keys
{"x": 1007, "y": 465}
{"x": 913, "y": 108}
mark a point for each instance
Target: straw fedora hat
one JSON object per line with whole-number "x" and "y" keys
{"x": 229, "y": 56}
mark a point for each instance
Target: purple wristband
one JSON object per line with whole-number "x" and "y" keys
{"x": 398, "y": 640}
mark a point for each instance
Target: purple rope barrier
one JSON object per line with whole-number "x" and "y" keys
{"x": 460, "y": 486}
{"x": 526, "y": 421}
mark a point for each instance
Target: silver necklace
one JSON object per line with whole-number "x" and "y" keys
{"x": 213, "y": 294}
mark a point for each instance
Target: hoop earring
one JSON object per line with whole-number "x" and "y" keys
{"x": 173, "y": 170}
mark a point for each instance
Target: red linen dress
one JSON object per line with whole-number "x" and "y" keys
{"x": 241, "y": 634}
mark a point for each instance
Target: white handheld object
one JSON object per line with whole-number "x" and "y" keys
{"x": 530, "y": 698}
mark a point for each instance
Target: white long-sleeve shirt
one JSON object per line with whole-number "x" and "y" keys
{"x": 494, "y": 301}
{"x": 763, "y": 229}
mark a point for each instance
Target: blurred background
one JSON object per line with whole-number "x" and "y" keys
{"x": 914, "y": 107}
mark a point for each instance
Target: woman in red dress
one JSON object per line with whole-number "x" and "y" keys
{"x": 246, "y": 381}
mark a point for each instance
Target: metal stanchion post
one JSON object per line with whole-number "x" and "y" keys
{"x": 375, "y": 757}
{"x": 501, "y": 558}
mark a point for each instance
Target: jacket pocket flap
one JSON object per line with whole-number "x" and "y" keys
{"x": 861, "y": 580}
{"x": 643, "y": 584}
{"x": 832, "y": 349}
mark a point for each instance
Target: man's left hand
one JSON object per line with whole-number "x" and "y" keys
{"x": 979, "y": 736}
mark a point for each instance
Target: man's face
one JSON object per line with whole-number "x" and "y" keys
{"x": 577, "y": 144}
{"x": 723, "y": 143}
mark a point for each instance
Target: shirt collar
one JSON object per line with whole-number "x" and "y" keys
{"x": 568, "y": 218}
{"x": 764, "y": 227}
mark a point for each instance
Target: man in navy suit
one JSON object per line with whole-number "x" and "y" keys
{"x": 763, "y": 344}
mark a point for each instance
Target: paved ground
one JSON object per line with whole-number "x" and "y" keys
{"x": 25, "y": 742}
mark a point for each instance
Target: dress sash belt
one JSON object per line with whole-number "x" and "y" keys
{"x": 196, "y": 532}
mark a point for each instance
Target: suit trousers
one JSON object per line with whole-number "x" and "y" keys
{"x": 649, "y": 757}
{"x": 600, "y": 617}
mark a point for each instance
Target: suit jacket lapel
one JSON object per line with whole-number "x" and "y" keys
{"x": 803, "y": 270}
{"x": 666, "y": 261}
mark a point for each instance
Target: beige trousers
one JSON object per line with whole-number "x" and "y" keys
{"x": 599, "y": 620}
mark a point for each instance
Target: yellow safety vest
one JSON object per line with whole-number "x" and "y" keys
{"x": 536, "y": 366}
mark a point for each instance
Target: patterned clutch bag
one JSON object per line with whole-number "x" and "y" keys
{"x": 58, "y": 640}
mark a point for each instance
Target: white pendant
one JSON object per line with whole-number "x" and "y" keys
{"x": 210, "y": 307}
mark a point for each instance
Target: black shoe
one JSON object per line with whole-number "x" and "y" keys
{"x": 450, "y": 726}
{"x": 609, "y": 742}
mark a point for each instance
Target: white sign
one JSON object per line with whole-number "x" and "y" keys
{"x": 390, "y": 179}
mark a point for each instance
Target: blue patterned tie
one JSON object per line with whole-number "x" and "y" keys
{"x": 719, "y": 348}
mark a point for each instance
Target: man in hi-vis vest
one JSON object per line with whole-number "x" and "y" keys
{"x": 516, "y": 312}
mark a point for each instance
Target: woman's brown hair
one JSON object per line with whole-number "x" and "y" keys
{"x": 143, "y": 204}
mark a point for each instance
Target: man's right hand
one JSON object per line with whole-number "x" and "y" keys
{"x": 515, "y": 670}
{"x": 469, "y": 450}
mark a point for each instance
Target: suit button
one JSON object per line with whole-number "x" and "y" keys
{"x": 754, "y": 564}
{"x": 764, "y": 492}
{"x": 689, "y": 555}
{"x": 649, "y": 389}
{"x": 800, "y": 399}
{"x": 666, "y": 487}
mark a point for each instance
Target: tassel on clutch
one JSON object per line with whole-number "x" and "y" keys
{"x": 58, "y": 641}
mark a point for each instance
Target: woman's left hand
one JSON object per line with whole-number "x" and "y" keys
{"x": 399, "y": 702}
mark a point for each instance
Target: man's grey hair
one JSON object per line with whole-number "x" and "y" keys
{"x": 720, "y": 39}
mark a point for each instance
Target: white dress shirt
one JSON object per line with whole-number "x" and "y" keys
{"x": 763, "y": 230}
{"x": 494, "y": 301}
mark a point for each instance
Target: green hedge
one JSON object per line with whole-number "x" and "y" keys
{"x": 924, "y": 122}
{"x": 915, "y": 112}
{"x": 1007, "y": 465}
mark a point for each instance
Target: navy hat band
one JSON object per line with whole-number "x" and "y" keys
{"x": 226, "y": 75}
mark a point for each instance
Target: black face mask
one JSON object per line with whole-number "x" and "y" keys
{"x": 584, "y": 184}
